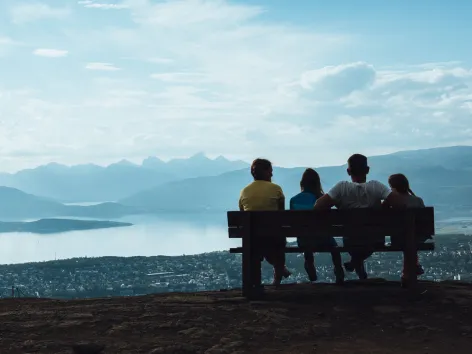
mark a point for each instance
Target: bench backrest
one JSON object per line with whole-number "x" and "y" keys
{"x": 333, "y": 222}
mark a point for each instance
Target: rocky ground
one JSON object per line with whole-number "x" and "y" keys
{"x": 369, "y": 317}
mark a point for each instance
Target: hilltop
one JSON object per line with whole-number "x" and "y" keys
{"x": 373, "y": 316}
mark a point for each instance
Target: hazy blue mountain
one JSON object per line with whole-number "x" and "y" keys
{"x": 84, "y": 183}
{"x": 454, "y": 158}
{"x": 441, "y": 176}
{"x": 15, "y": 204}
{"x": 51, "y": 226}
{"x": 197, "y": 165}
{"x": 92, "y": 183}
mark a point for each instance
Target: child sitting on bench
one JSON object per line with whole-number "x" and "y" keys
{"x": 400, "y": 185}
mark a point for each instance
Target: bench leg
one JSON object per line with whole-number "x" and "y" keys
{"x": 251, "y": 269}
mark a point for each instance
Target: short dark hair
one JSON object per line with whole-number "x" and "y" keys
{"x": 258, "y": 167}
{"x": 357, "y": 164}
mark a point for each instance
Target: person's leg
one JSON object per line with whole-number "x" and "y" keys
{"x": 349, "y": 265}
{"x": 419, "y": 267}
{"x": 275, "y": 255}
{"x": 310, "y": 265}
{"x": 336, "y": 258}
{"x": 280, "y": 270}
{"x": 357, "y": 263}
{"x": 338, "y": 267}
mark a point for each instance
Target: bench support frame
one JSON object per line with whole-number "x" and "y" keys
{"x": 255, "y": 228}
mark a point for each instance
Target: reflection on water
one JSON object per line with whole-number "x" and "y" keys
{"x": 167, "y": 234}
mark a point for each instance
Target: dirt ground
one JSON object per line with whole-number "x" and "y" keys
{"x": 362, "y": 317}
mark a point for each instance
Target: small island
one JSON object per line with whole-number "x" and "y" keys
{"x": 52, "y": 226}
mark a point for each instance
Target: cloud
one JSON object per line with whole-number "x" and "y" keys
{"x": 190, "y": 12}
{"x": 102, "y": 6}
{"x": 400, "y": 108}
{"x": 333, "y": 82}
{"x": 230, "y": 80}
{"x": 102, "y": 67}
{"x": 50, "y": 53}
{"x": 35, "y": 11}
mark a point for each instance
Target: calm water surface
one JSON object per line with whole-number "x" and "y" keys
{"x": 167, "y": 234}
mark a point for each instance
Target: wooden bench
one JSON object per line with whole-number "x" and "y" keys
{"x": 255, "y": 228}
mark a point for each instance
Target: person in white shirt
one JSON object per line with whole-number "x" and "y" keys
{"x": 357, "y": 194}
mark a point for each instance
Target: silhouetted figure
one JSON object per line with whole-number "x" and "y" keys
{"x": 262, "y": 194}
{"x": 406, "y": 198}
{"x": 357, "y": 194}
{"x": 311, "y": 190}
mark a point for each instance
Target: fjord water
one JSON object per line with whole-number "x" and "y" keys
{"x": 150, "y": 235}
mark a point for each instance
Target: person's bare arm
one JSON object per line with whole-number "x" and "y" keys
{"x": 325, "y": 202}
{"x": 329, "y": 200}
{"x": 393, "y": 200}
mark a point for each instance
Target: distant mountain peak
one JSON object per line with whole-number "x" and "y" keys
{"x": 152, "y": 158}
{"x": 221, "y": 158}
{"x": 52, "y": 166}
{"x": 199, "y": 156}
{"x": 153, "y": 162}
{"x": 123, "y": 162}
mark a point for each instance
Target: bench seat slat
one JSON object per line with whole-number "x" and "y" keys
{"x": 421, "y": 247}
{"x": 339, "y": 231}
{"x": 314, "y": 218}
{"x": 331, "y": 222}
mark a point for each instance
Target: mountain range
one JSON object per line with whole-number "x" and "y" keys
{"x": 93, "y": 183}
{"x": 442, "y": 176}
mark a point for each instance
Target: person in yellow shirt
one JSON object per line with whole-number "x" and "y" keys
{"x": 262, "y": 194}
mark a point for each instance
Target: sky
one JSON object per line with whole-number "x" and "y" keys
{"x": 304, "y": 82}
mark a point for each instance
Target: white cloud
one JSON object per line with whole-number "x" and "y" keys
{"x": 30, "y": 12}
{"x": 102, "y": 67}
{"x": 338, "y": 81}
{"x": 102, "y": 6}
{"x": 50, "y": 53}
{"x": 190, "y": 12}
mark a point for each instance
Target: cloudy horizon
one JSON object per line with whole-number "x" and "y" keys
{"x": 99, "y": 81}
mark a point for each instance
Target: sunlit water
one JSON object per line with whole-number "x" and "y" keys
{"x": 151, "y": 235}
{"x": 164, "y": 234}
